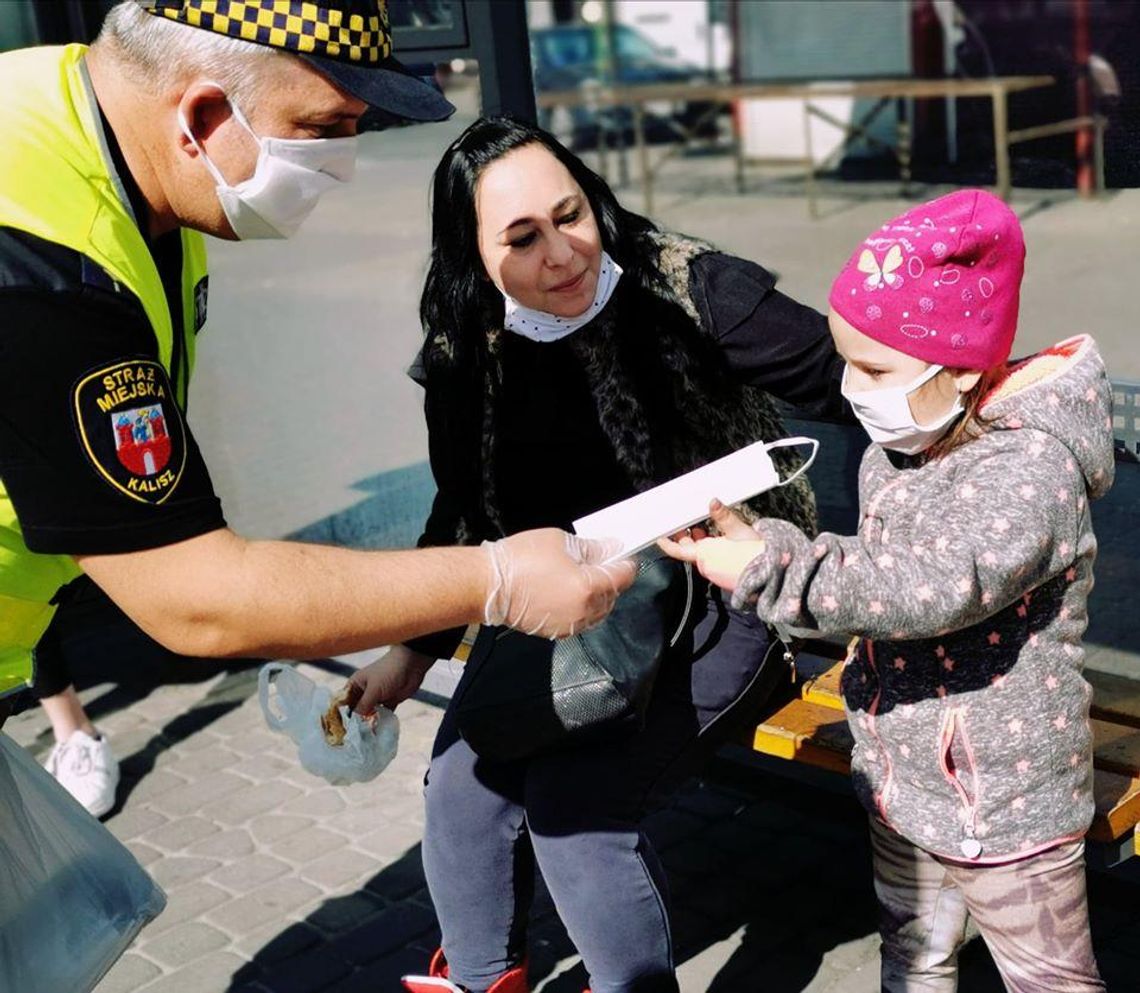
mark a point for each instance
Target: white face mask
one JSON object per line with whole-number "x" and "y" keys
{"x": 538, "y": 325}
{"x": 290, "y": 177}
{"x": 886, "y": 416}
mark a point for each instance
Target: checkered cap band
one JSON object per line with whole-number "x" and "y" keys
{"x": 347, "y": 31}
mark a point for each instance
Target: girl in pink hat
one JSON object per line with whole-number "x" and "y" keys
{"x": 967, "y": 587}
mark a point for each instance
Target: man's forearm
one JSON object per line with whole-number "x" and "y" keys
{"x": 316, "y": 600}
{"x": 220, "y": 595}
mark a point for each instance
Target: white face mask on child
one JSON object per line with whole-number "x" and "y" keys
{"x": 886, "y": 415}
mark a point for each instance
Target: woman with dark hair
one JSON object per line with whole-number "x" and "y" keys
{"x": 574, "y": 356}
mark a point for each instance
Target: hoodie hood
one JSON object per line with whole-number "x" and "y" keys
{"x": 1063, "y": 391}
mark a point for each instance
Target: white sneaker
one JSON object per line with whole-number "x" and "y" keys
{"x": 85, "y": 767}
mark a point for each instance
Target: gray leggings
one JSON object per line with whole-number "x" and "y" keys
{"x": 576, "y": 813}
{"x": 1032, "y": 913}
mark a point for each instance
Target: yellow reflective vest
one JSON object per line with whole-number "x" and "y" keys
{"x": 57, "y": 182}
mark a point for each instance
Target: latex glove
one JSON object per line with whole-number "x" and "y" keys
{"x": 720, "y": 560}
{"x": 551, "y": 583}
{"x": 388, "y": 681}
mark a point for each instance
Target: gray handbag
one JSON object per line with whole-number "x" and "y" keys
{"x": 521, "y": 694}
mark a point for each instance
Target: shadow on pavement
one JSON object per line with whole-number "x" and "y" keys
{"x": 756, "y": 862}
{"x": 101, "y": 645}
{"x": 780, "y": 866}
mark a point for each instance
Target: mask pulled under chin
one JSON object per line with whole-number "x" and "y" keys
{"x": 538, "y": 325}
{"x": 290, "y": 177}
{"x": 885, "y": 415}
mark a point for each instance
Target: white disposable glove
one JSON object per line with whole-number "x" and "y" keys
{"x": 551, "y": 583}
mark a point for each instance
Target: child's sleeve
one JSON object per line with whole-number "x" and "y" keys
{"x": 1011, "y": 526}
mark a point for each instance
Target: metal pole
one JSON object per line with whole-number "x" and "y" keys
{"x": 1098, "y": 152}
{"x": 1086, "y": 178}
{"x": 613, "y": 62}
{"x": 809, "y": 164}
{"x": 502, "y": 46}
{"x": 904, "y": 140}
{"x": 945, "y": 11}
{"x": 643, "y": 158}
{"x": 736, "y": 111}
{"x": 710, "y": 72}
{"x": 1001, "y": 140}
{"x": 597, "y": 106}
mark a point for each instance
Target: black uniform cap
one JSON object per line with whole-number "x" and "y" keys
{"x": 348, "y": 41}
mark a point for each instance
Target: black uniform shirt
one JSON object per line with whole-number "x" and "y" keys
{"x": 95, "y": 453}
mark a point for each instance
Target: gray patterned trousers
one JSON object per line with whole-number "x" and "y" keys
{"x": 1032, "y": 914}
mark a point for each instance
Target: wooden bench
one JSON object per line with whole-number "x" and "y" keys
{"x": 804, "y": 722}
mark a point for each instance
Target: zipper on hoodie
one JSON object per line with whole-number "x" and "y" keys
{"x": 882, "y": 798}
{"x": 951, "y": 724}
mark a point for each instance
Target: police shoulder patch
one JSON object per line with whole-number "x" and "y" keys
{"x": 131, "y": 428}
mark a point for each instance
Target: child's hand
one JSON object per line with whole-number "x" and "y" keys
{"x": 719, "y": 560}
{"x": 729, "y": 523}
{"x": 388, "y": 681}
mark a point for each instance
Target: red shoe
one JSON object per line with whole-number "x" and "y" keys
{"x": 436, "y": 981}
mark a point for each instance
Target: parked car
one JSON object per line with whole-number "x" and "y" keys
{"x": 573, "y": 56}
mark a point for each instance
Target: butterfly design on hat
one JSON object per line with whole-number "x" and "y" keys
{"x": 878, "y": 275}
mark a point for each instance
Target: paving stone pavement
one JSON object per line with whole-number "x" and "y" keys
{"x": 280, "y": 883}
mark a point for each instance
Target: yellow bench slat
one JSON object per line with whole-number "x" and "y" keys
{"x": 1117, "y": 806}
{"x": 817, "y": 735}
{"x": 1116, "y": 699}
{"x": 819, "y": 680}
{"x": 806, "y": 732}
{"x": 1116, "y": 713}
{"x": 463, "y": 652}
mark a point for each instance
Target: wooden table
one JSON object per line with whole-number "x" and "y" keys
{"x": 996, "y": 89}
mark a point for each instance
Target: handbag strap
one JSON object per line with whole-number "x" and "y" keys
{"x": 688, "y": 605}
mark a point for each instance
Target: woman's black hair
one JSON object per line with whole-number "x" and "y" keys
{"x": 679, "y": 377}
{"x": 459, "y": 302}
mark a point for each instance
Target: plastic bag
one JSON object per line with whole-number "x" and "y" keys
{"x": 72, "y": 898}
{"x": 295, "y": 708}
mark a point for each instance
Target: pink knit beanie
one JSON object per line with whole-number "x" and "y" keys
{"x": 940, "y": 282}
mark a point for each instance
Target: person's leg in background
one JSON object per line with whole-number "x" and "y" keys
{"x": 584, "y": 805}
{"x": 81, "y": 760}
{"x": 1034, "y": 917}
{"x": 922, "y": 916}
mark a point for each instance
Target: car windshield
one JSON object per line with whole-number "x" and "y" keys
{"x": 568, "y": 47}
{"x": 561, "y": 48}
{"x": 632, "y": 44}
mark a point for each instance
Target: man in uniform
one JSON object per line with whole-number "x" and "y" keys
{"x": 229, "y": 117}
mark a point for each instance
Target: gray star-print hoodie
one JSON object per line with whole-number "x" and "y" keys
{"x": 967, "y": 585}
